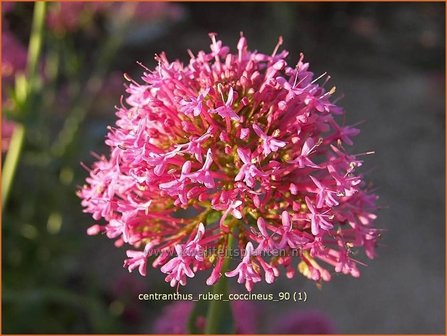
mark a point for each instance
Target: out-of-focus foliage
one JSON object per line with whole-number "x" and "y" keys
{"x": 56, "y": 279}
{"x": 45, "y": 288}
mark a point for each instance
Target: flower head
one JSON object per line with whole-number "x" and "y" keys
{"x": 239, "y": 145}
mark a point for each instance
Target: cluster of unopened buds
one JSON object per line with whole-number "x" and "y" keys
{"x": 232, "y": 151}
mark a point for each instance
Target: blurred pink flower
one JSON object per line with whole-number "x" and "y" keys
{"x": 303, "y": 322}
{"x": 67, "y": 16}
{"x": 174, "y": 318}
{"x": 247, "y": 140}
{"x": 7, "y": 131}
{"x": 7, "y": 6}
{"x": 14, "y": 56}
{"x": 147, "y": 11}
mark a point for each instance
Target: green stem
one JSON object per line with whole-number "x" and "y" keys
{"x": 35, "y": 42}
{"x": 216, "y": 308}
{"x": 11, "y": 161}
{"x": 18, "y": 137}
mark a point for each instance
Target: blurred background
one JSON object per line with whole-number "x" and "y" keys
{"x": 388, "y": 60}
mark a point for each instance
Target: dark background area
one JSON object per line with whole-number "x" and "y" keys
{"x": 387, "y": 59}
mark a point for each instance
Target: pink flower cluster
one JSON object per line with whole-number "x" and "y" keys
{"x": 238, "y": 145}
